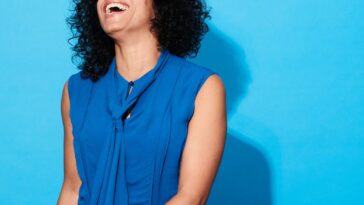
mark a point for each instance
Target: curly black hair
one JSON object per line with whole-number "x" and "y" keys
{"x": 178, "y": 24}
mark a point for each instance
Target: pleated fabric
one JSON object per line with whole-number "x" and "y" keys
{"x": 134, "y": 160}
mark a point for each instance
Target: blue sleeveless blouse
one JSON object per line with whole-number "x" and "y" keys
{"x": 136, "y": 159}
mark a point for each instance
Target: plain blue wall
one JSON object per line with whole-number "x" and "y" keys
{"x": 294, "y": 74}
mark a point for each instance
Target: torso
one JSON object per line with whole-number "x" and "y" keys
{"x": 155, "y": 131}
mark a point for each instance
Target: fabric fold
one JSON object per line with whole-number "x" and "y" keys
{"x": 110, "y": 177}
{"x": 134, "y": 160}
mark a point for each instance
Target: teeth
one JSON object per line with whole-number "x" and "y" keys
{"x": 118, "y": 5}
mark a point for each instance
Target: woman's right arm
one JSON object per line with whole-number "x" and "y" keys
{"x": 71, "y": 180}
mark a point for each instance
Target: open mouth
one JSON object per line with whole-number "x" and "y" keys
{"x": 116, "y": 7}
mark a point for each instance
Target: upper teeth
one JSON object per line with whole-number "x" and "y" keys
{"x": 120, "y": 6}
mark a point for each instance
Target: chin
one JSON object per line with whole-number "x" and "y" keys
{"x": 113, "y": 29}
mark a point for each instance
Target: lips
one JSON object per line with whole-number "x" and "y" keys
{"x": 111, "y": 6}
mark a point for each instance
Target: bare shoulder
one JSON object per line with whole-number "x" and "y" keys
{"x": 65, "y": 112}
{"x": 213, "y": 90}
{"x": 65, "y": 90}
{"x": 210, "y": 112}
{"x": 65, "y": 103}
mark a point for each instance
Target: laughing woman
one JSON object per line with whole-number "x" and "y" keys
{"x": 142, "y": 125}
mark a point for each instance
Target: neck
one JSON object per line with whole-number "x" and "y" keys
{"x": 136, "y": 55}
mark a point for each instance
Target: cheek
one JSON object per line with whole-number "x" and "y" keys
{"x": 99, "y": 8}
{"x": 143, "y": 15}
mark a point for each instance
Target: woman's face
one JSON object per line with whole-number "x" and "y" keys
{"x": 124, "y": 15}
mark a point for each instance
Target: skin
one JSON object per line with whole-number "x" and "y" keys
{"x": 136, "y": 53}
{"x": 204, "y": 146}
{"x": 135, "y": 46}
{"x": 71, "y": 179}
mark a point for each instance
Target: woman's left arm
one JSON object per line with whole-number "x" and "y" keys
{"x": 204, "y": 146}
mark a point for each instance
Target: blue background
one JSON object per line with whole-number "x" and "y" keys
{"x": 294, "y": 74}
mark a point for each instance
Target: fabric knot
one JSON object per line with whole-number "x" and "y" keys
{"x": 109, "y": 185}
{"x": 117, "y": 111}
{"x": 117, "y": 124}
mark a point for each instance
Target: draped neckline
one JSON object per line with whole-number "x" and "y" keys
{"x": 110, "y": 176}
{"x": 150, "y": 72}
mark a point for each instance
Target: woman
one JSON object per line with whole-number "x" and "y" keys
{"x": 142, "y": 124}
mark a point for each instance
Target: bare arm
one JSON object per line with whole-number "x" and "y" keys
{"x": 71, "y": 180}
{"x": 204, "y": 145}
